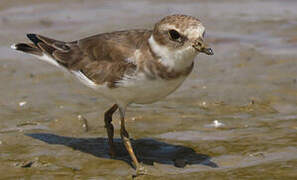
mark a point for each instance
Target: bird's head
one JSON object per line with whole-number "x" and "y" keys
{"x": 181, "y": 33}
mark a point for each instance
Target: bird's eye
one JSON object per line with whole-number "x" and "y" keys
{"x": 174, "y": 35}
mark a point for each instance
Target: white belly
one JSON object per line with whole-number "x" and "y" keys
{"x": 149, "y": 91}
{"x": 141, "y": 90}
{"x": 137, "y": 89}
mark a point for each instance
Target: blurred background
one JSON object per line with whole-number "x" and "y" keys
{"x": 234, "y": 117}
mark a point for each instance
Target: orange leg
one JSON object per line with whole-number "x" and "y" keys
{"x": 125, "y": 138}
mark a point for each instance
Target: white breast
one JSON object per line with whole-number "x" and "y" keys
{"x": 177, "y": 59}
{"x": 141, "y": 90}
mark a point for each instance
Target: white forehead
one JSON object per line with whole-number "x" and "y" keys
{"x": 192, "y": 32}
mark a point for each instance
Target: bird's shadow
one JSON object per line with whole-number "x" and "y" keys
{"x": 147, "y": 151}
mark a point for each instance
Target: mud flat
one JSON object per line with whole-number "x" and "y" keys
{"x": 234, "y": 118}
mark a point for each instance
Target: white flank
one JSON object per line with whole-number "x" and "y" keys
{"x": 130, "y": 81}
{"x": 84, "y": 79}
{"x": 176, "y": 59}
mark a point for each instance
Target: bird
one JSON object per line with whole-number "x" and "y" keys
{"x": 137, "y": 66}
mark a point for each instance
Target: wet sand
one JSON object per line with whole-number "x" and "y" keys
{"x": 250, "y": 86}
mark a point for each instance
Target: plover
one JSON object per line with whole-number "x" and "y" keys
{"x": 133, "y": 66}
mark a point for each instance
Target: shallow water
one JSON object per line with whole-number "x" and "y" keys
{"x": 250, "y": 86}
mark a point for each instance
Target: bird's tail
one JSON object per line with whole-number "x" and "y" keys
{"x": 39, "y": 45}
{"x": 44, "y": 48}
{"x": 27, "y": 48}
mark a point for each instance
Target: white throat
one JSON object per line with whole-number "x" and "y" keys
{"x": 177, "y": 59}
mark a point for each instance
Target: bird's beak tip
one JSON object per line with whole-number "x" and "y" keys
{"x": 208, "y": 51}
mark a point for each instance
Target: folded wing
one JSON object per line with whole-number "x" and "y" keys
{"x": 102, "y": 59}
